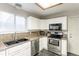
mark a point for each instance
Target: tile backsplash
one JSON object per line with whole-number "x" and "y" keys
{"x": 22, "y": 35}
{"x": 10, "y": 37}
{"x": 6, "y": 37}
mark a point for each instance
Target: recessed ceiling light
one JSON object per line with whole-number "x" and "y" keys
{"x": 47, "y": 5}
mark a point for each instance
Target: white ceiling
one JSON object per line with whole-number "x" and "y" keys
{"x": 35, "y": 9}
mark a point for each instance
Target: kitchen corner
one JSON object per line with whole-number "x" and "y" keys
{"x": 28, "y": 44}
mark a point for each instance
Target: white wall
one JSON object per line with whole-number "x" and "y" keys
{"x": 73, "y": 34}
{"x": 60, "y": 14}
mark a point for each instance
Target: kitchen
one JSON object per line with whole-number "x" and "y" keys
{"x": 25, "y": 34}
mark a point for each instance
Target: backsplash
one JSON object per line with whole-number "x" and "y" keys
{"x": 21, "y": 35}
{"x": 6, "y": 37}
{"x": 10, "y": 37}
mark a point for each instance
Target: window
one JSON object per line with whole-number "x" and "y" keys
{"x": 6, "y": 22}
{"x": 20, "y": 24}
{"x": 10, "y": 24}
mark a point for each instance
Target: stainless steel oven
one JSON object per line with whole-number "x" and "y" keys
{"x": 55, "y": 37}
{"x": 53, "y": 41}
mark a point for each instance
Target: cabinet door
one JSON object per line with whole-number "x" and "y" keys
{"x": 32, "y": 23}
{"x": 2, "y": 53}
{"x": 43, "y": 24}
{"x": 40, "y": 44}
{"x": 20, "y": 50}
{"x": 64, "y": 47}
{"x": 43, "y": 43}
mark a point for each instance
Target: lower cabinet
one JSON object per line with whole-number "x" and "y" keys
{"x": 64, "y": 47}
{"x": 20, "y": 50}
{"x": 2, "y": 53}
{"x": 43, "y": 43}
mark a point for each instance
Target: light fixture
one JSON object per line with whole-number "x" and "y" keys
{"x": 47, "y": 5}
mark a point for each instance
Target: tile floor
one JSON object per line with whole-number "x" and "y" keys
{"x": 48, "y": 53}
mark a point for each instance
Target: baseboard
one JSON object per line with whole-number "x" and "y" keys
{"x": 71, "y": 54}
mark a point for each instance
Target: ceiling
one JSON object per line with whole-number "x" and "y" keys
{"x": 35, "y": 9}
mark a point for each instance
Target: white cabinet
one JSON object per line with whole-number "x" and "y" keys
{"x": 20, "y": 50}
{"x": 43, "y": 24}
{"x": 35, "y": 23}
{"x": 43, "y": 43}
{"x": 32, "y": 23}
{"x": 64, "y": 47}
{"x": 2, "y": 53}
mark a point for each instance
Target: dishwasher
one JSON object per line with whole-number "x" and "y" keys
{"x": 34, "y": 47}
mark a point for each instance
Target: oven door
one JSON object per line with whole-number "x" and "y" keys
{"x": 54, "y": 42}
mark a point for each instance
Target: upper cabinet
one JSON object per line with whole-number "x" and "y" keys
{"x": 33, "y": 23}
{"x": 42, "y": 24}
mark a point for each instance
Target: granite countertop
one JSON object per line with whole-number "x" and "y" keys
{"x": 34, "y": 37}
{"x": 30, "y": 38}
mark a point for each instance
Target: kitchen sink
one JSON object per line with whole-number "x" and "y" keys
{"x": 11, "y": 42}
{"x": 22, "y": 40}
{"x": 15, "y": 42}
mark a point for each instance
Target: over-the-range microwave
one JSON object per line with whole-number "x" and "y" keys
{"x": 56, "y": 26}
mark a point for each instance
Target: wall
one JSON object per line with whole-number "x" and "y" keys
{"x": 60, "y": 14}
{"x": 73, "y": 34}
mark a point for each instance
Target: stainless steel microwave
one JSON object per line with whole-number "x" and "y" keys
{"x": 57, "y": 26}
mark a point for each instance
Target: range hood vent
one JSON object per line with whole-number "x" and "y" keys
{"x": 19, "y": 6}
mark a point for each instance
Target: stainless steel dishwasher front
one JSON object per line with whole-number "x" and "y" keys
{"x": 34, "y": 47}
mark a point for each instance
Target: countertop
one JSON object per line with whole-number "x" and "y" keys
{"x": 30, "y": 38}
{"x": 34, "y": 37}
